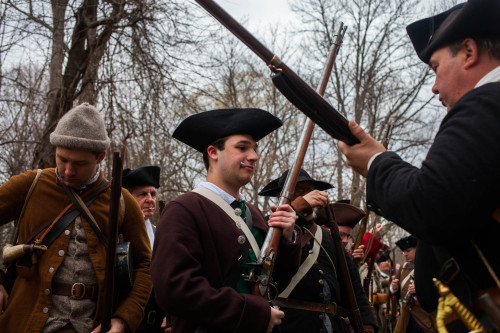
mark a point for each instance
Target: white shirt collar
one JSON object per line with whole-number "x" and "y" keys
{"x": 220, "y": 192}
{"x": 493, "y": 76}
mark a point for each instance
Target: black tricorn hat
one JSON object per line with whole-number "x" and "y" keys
{"x": 407, "y": 242}
{"x": 346, "y": 215}
{"x": 475, "y": 18}
{"x": 274, "y": 187}
{"x": 143, "y": 176}
{"x": 200, "y": 130}
{"x": 384, "y": 257}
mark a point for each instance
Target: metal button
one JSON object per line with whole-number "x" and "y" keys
{"x": 321, "y": 271}
{"x": 66, "y": 232}
{"x": 46, "y": 291}
{"x": 310, "y": 251}
{"x": 237, "y": 211}
{"x": 51, "y": 270}
{"x": 321, "y": 281}
{"x": 45, "y": 310}
{"x": 241, "y": 239}
{"x": 61, "y": 253}
{"x": 238, "y": 225}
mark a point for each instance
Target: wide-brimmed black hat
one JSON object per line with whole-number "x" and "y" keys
{"x": 346, "y": 215}
{"x": 202, "y": 129}
{"x": 475, "y": 18}
{"x": 407, "y": 242}
{"x": 143, "y": 176}
{"x": 274, "y": 187}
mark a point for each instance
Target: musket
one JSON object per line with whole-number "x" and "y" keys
{"x": 269, "y": 249}
{"x": 109, "y": 275}
{"x": 393, "y": 304}
{"x": 298, "y": 92}
{"x": 354, "y": 313}
{"x": 364, "y": 221}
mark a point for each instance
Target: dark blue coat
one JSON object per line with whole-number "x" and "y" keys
{"x": 449, "y": 200}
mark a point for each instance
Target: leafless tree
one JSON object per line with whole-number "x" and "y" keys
{"x": 378, "y": 80}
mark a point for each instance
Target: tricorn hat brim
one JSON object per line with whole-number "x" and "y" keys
{"x": 475, "y": 18}
{"x": 202, "y": 129}
{"x": 407, "y": 242}
{"x": 274, "y": 187}
{"x": 143, "y": 176}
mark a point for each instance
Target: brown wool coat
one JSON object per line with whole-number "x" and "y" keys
{"x": 30, "y": 301}
{"x": 196, "y": 244}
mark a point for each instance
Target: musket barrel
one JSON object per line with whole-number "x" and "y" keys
{"x": 287, "y": 81}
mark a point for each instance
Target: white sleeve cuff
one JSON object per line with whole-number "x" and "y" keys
{"x": 371, "y": 161}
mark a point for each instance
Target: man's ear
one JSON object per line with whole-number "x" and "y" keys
{"x": 471, "y": 52}
{"x": 100, "y": 157}
{"x": 213, "y": 153}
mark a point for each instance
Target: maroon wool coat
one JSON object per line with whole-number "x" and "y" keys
{"x": 196, "y": 244}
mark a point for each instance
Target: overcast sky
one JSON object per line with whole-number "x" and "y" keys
{"x": 258, "y": 12}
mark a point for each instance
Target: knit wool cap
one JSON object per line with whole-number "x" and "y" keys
{"x": 82, "y": 127}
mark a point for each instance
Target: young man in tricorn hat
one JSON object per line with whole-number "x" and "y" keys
{"x": 63, "y": 290}
{"x": 318, "y": 281}
{"x": 205, "y": 237}
{"x": 452, "y": 202}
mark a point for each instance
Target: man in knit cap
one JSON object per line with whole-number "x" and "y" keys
{"x": 62, "y": 290}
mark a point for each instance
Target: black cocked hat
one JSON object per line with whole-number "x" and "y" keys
{"x": 472, "y": 19}
{"x": 202, "y": 129}
{"x": 407, "y": 242}
{"x": 274, "y": 187}
{"x": 346, "y": 215}
{"x": 143, "y": 176}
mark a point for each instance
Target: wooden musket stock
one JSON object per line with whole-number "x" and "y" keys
{"x": 290, "y": 84}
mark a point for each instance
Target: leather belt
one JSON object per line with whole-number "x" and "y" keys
{"x": 330, "y": 308}
{"x": 75, "y": 291}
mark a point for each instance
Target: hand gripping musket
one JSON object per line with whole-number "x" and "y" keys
{"x": 269, "y": 249}
{"x": 116, "y": 185}
{"x": 354, "y": 313}
{"x": 404, "y": 313}
{"x": 290, "y": 84}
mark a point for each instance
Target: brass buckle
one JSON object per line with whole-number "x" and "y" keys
{"x": 73, "y": 287}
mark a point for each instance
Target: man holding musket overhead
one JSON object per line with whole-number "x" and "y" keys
{"x": 452, "y": 202}
{"x": 205, "y": 237}
{"x": 61, "y": 289}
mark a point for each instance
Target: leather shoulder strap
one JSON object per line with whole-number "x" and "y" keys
{"x": 30, "y": 191}
{"x": 306, "y": 265}
{"x": 240, "y": 224}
